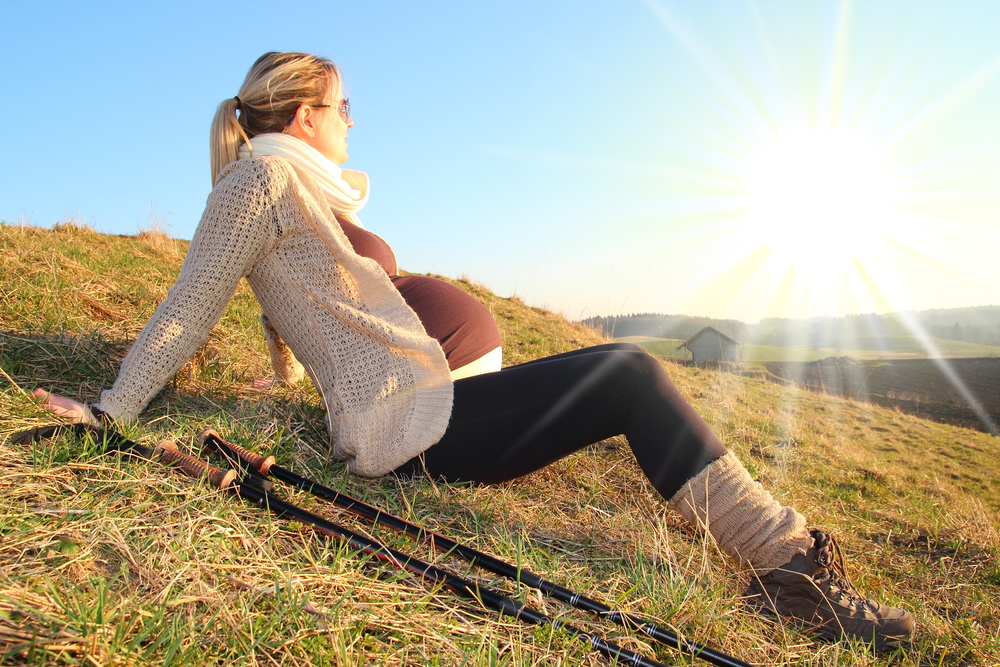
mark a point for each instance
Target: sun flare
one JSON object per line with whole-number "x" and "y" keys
{"x": 818, "y": 200}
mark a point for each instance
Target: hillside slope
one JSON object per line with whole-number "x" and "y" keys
{"x": 108, "y": 560}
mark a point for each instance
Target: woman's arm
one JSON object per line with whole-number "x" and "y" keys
{"x": 236, "y": 229}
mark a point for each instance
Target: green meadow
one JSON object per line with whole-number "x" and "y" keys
{"x": 110, "y": 560}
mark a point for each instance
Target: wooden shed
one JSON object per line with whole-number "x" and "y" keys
{"x": 710, "y": 343}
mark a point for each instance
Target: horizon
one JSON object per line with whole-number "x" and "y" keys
{"x": 751, "y": 161}
{"x": 813, "y": 317}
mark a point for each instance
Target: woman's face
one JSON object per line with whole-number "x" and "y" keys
{"x": 323, "y": 127}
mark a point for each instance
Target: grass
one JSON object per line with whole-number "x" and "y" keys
{"x": 107, "y": 560}
{"x": 662, "y": 347}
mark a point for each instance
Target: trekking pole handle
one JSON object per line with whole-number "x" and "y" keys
{"x": 213, "y": 442}
{"x": 167, "y": 452}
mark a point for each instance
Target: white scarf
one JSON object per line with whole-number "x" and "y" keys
{"x": 346, "y": 189}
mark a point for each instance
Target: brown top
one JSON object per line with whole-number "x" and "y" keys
{"x": 463, "y": 326}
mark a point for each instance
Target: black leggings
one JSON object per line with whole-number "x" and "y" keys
{"x": 515, "y": 421}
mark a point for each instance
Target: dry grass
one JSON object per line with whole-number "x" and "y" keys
{"x": 110, "y": 560}
{"x": 154, "y": 235}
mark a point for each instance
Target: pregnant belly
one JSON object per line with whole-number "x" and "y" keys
{"x": 463, "y": 326}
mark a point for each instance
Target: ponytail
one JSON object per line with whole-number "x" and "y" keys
{"x": 226, "y": 135}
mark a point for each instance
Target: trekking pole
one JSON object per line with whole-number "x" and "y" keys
{"x": 436, "y": 576}
{"x": 165, "y": 452}
{"x": 113, "y": 441}
{"x": 254, "y": 490}
{"x": 212, "y": 441}
{"x": 497, "y": 601}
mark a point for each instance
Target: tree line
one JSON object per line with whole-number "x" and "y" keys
{"x": 971, "y": 325}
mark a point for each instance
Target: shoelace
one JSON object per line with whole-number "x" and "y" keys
{"x": 830, "y": 557}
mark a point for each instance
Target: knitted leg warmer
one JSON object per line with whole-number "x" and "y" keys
{"x": 745, "y": 520}
{"x": 287, "y": 369}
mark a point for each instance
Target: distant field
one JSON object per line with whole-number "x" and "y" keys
{"x": 882, "y": 347}
{"x": 965, "y": 392}
{"x": 896, "y": 346}
{"x": 664, "y": 347}
{"x": 670, "y": 347}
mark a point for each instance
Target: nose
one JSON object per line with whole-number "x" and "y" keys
{"x": 350, "y": 123}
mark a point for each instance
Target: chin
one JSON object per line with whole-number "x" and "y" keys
{"x": 336, "y": 158}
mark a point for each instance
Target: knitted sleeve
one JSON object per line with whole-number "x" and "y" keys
{"x": 237, "y": 227}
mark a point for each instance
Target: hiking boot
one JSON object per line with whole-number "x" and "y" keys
{"x": 814, "y": 589}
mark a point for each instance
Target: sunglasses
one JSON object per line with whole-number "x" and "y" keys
{"x": 344, "y": 108}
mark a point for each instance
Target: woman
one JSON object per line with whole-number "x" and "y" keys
{"x": 283, "y": 214}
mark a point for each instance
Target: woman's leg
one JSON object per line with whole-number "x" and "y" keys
{"x": 505, "y": 425}
{"x": 508, "y": 424}
{"x": 604, "y": 347}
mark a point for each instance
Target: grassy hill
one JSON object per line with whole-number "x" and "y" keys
{"x": 108, "y": 560}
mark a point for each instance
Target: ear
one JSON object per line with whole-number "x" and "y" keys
{"x": 303, "y": 123}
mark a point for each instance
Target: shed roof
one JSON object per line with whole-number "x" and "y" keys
{"x": 702, "y": 333}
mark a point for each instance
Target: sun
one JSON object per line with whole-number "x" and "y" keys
{"x": 818, "y": 200}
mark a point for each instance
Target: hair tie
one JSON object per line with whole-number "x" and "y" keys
{"x": 239, "y": 102}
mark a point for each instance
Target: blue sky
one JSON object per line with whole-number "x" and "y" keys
{"x": 719, "y": 158}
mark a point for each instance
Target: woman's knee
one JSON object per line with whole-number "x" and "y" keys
{"x": 641, "y": 361}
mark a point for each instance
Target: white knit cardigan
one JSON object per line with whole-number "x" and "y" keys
{"x": 385, "y": 383}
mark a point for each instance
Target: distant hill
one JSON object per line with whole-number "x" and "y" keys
{"x": 979, "y": 325}
{"x": 975, "y": 326}
{"x": 885, "y": 347}
{"x": 679, "y": 327}
{"x": 972, "y": 325}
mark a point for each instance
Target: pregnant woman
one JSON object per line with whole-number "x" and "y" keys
{"x": 387, "y": 353}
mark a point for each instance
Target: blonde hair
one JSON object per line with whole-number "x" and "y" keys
{"x": 275, "y": 87}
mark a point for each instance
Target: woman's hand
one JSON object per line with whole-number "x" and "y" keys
{"x": 66, "y": 407}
